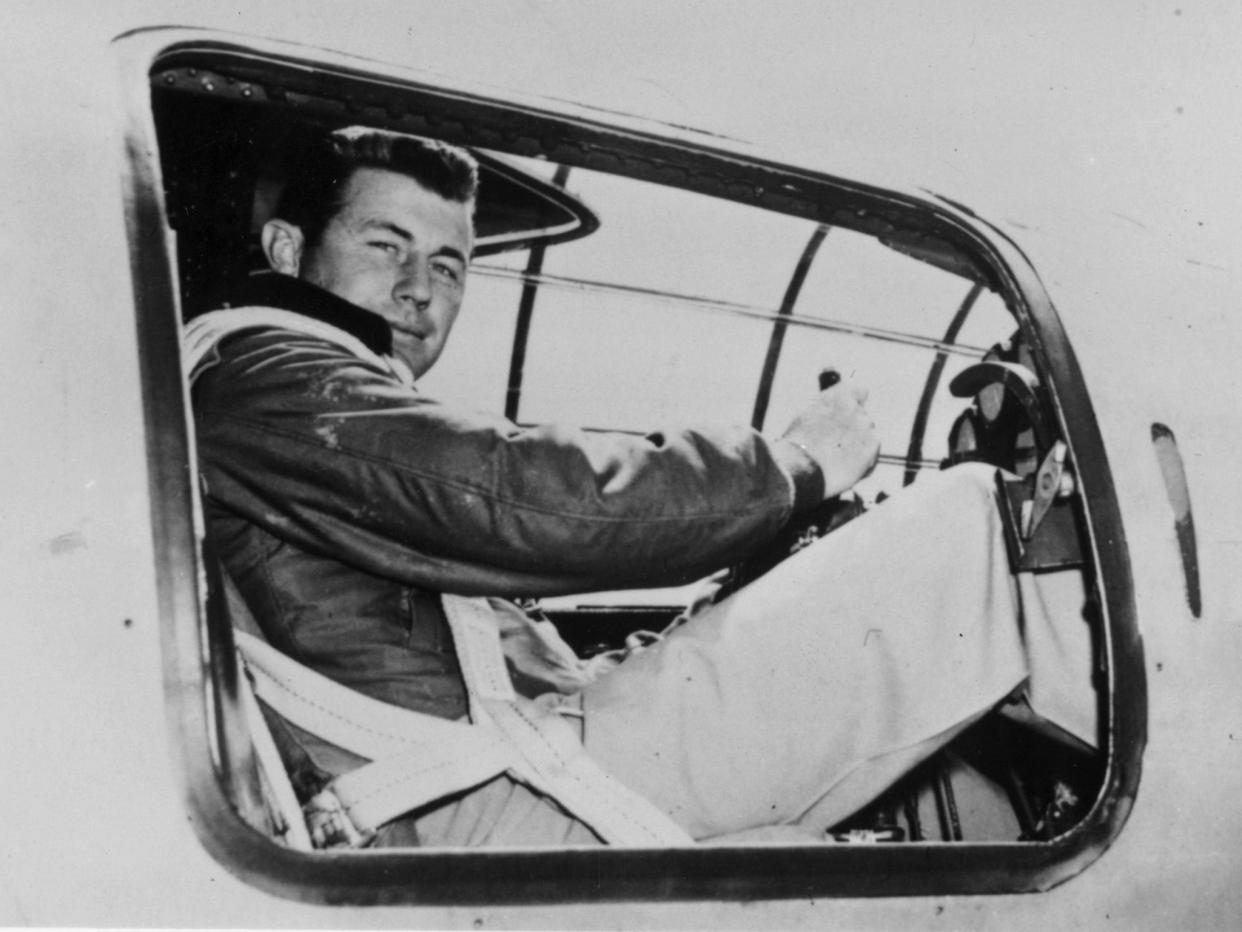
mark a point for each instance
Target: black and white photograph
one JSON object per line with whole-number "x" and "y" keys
{"x": 621, "y": 464}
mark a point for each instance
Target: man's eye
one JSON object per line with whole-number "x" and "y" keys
{"x": 447, "y": 271}
{"x": 383, "y": 246}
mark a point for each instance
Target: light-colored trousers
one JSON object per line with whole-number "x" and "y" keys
{"x": 799, "y": 699}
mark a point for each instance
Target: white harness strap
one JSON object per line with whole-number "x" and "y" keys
{"x": 552, "y": 758}
{"x": 418, "y": 758}
{"x": 290, "y": 820}
{"x": 200, "y": 336}
{"x": 415, "y": 758}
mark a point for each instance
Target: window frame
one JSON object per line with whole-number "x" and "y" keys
{"x": 200, "y": 691}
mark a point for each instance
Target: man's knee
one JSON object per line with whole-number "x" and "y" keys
{"x": 978, "y": 479}
{"x": 967, "y": 485}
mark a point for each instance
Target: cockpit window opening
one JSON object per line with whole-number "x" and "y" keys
{"x": 247, "y": 106}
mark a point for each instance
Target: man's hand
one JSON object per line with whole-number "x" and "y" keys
{"x": 838, "y": 434}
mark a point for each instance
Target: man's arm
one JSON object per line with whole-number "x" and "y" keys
{"x": 338, "y": 458}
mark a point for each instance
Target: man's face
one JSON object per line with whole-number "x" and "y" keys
{"x": 398, "y": 250}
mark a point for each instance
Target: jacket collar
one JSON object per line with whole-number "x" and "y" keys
{"x": 271, "y": 289}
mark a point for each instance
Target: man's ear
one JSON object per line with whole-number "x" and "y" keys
{"x": 282, "y": 245}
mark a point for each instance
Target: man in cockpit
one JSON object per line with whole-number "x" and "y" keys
{"x": 352, "y": 512}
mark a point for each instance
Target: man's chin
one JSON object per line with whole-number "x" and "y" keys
{"x": 418, "y": 359}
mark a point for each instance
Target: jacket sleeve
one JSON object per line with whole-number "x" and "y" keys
{"x": 331, "y": 454}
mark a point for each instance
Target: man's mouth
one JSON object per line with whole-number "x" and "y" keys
{"x": 417, "y": 335}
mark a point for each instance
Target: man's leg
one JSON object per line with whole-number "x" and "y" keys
{"x": 502, "y": 813}
{"x": 801, "y": 697}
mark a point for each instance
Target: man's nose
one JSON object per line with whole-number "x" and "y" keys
{"x": 414, "y": 284}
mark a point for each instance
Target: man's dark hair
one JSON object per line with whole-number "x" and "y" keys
{"x": 312, "y": 194}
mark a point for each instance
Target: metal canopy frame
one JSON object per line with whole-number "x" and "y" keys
{"x": 199, "y": 698}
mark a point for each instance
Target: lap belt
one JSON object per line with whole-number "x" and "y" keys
{"x": 417, "y": 758}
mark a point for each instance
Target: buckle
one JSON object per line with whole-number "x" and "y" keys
{"x": 329, "y": 823}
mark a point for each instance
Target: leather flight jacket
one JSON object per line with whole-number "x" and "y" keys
{"x": 343, "y": 501}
